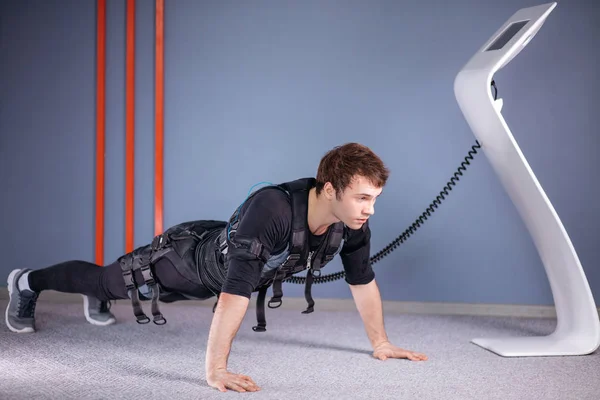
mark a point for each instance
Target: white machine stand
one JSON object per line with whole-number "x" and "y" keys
{"x": 578, "y": 326}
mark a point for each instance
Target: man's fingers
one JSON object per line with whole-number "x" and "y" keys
{"x": 249, "y": 380}
{"x": 236, "y": 387}
{"x": 399, "y": 353}
{"x": 221, "y": 387}
{"x": 248, "y": 383}
{"x": 236, "y": 382}
{"x": 411, "y": 355}
{"x": 417, "y": 357}
{"x": 251, "y": 387}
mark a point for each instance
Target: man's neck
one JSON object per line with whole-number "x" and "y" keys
{"x": 319, "y": 216}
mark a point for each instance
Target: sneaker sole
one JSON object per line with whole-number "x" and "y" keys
{"x": 89, "y": 319}
{"x": 10, "y": 281}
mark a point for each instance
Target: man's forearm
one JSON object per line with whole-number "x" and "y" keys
{"x": 369, "y": 305}
{"x": 226, "y": 322}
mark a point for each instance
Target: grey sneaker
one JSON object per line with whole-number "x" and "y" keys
{"x": 20, "y": 312}
{"x": 97, "y": 312}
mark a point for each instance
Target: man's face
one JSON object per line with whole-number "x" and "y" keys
{"x": 357, "y": 203}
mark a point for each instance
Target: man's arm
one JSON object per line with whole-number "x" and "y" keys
{"x": 369, "y": 305}
{"x": 264, "y": 219}
{"x": 226, "y": 322}
{"x": 361, "y": 278}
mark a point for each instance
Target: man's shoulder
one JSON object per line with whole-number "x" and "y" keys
{"x": 267, "y": 215}
{"x": 274, "y": 194}
{"x": 272, "y": 197}
{"x": 270, "y": 200}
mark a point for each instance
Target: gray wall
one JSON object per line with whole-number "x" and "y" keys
{"x": 253, "y": 84}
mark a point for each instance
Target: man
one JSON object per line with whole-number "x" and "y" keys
{"x": 276, "y": 232}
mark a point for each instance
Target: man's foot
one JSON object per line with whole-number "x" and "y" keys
{"x": 20, "y": 312}
{"x": 97, "y": 312}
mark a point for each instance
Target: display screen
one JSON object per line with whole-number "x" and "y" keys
{"x": 508, "y": 34}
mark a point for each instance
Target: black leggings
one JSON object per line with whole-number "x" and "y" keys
{"x": 106, "y": 283}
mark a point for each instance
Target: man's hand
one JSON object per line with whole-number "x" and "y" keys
{"x": 368, "y": 302}
{"x": 223, "y": 380}
{"x": 387, "y": 350}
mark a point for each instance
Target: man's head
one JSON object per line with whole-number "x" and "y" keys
{"x": 351, "y": 177}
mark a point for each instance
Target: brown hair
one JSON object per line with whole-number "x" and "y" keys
{"x": 343, "y": 163}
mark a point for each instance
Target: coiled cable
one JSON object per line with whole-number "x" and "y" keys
{"x": 411, "y": 229}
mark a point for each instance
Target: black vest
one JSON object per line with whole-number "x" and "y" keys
{"x": 298, "y": 255}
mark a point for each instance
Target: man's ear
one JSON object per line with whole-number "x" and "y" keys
{"x": 329, "y": 191}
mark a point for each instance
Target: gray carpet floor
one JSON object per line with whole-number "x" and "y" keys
{"x": 324, "y": 355}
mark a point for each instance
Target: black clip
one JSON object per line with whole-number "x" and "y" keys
{"x": 159, "y": 242}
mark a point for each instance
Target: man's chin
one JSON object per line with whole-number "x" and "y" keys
{"x": 356, "y": 224}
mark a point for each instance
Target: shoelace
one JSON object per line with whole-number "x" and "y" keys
{"x": 27, "y": 305}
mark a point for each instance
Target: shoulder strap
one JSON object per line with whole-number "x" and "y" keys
{"x": 338, "y": 232}
{"x": 298, "y": 192}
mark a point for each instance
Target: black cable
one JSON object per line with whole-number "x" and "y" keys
{"x": 413, "y": 227}
{"x": 408, "y": 232}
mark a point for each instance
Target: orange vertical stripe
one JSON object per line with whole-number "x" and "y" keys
{"x": 130, "y": 127}
{"x": 100, "y": 127}
{"x": 159, "y": 119}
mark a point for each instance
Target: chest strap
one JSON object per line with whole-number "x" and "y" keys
{"x": 313, "y": 264}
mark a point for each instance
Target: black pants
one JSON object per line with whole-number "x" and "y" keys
{"x": 106, "y": 283}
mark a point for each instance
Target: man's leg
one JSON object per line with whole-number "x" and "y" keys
{"x": 96, "y": 284}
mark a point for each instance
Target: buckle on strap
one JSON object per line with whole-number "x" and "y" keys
{"x": 276, "y": 301}
{"x": 147, "y": 274}
{"x": 159, "y": 241}
{"x": 291, "y": 261}
{"x": 127, "y": 271}
{"x": 258, "y": 249}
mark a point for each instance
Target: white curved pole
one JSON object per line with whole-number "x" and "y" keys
{"x": 578, "y": 328}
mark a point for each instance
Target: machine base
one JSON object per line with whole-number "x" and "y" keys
{"x": 539, "y": 346}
